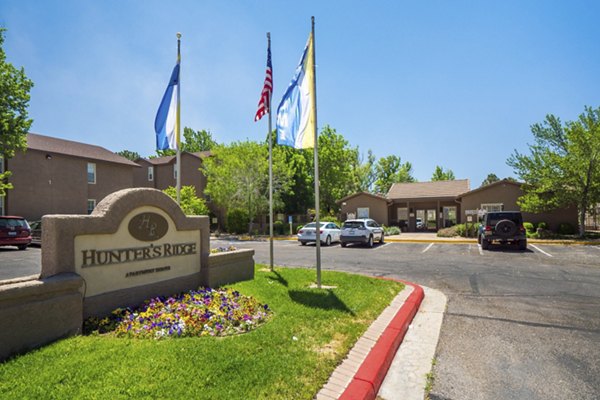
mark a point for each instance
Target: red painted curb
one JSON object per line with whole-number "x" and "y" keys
{"x": 369, "y": 377}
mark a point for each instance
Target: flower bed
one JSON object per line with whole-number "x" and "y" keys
{"x": 205, "y": 312}
{"x": 223, "y": 249}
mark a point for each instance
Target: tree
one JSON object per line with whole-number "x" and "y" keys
{"x": 300, "y": 197}
{"x": 130, "y": 155}
{"x": 364, "y": 173}
{"x": 336, "y": 175}
{"x": 193, "y": 142}
{"x": 440, "y": 175}
{"x": 491, "y": 178}
{"x": 563, "y": 168}
{"x": 188, "y": 201}
{"x": 390, "y": 170}
{"x": 14, "y": 119}
{"x": 238, "y": 177}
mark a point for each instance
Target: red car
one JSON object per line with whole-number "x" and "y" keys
{"x": 14, "y": 231}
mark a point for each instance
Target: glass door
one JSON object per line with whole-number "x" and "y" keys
{"x": 431, "y": 221}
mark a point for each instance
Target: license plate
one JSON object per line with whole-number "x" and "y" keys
{"x": 12, "y": 233}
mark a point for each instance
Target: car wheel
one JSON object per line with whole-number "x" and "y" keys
{"x": 343, "y": 244}
{"x": 485, "y": 244}
{"x": 22, "y": 247}
{"x": 522, "y": 244}
{"x": 328, "y": 241}
{"x": 370, "y": 241}
{"x": 381, "y": 238}
{"x": 506, "y": 228}
{"x": 303, "y": 243}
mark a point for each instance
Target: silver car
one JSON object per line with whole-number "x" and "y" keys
{"x": 363, "y": 231}
{"x": 329, "y": 233}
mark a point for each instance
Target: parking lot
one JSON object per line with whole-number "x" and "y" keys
{"x": 519, "y": 324}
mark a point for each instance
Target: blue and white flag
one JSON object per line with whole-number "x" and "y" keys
{"x": 165, "y": 124}
{"x": 296, "y": 112}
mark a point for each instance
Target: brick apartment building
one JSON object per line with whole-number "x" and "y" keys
{"x": 57, "y": 176}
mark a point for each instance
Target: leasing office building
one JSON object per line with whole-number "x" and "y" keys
{"x": 429, "y": 206}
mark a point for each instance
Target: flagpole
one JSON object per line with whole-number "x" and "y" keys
{"x": 270, "y": 172}
{"x": 178, "y": 122}
{"x": 316, "y": 154}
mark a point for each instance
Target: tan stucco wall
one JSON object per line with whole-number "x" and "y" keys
{"x": 378, "y": 209}
{"x": 39, "y": 311}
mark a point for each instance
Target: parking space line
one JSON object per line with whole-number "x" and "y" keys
{"x": 428, "y": 247}
{"x": 540, "y": 250}
{"x": 382, "y": 245}
{"x": 480, "y": 249}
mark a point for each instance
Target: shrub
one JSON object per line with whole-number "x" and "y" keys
{"x": 542, "y": 225}
{"x": 542, "y": 233}
{"x": 466, "y": 231}
{"x": 190, "y": 203}
{"x": 237, "y": 221}
{"x": 566, "y": 229}
{"x": 529, "y": 227}
{"x": 448, "y": 232}
{"x": 391, "y": 230}
{"x": 278, "y": 228}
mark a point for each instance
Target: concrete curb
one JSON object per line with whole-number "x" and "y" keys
{"x": 368, "y": 378}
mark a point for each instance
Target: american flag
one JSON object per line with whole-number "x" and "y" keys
{"x": 265, "y": 97}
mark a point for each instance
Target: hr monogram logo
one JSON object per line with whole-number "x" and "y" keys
{"x": 148, "y": 226}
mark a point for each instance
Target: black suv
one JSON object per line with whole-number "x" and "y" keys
{"x": 503, "y": 227}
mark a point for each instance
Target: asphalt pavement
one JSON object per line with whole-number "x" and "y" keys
{"x": 518, "y": 325}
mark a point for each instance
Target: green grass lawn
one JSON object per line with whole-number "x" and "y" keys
{"x": 290, "y": 357}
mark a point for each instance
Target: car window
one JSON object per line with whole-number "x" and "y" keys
{"x": 310, "y": 225}
{"x": 353, "y": 224}
{"x": 493, "y": 219}
{"x": 12, "y": 222}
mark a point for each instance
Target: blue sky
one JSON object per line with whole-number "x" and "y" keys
{"x": 450, "y": 83}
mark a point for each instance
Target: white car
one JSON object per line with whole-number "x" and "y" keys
{"x": 328, "y": 233}
{"x": 364, "y": 231}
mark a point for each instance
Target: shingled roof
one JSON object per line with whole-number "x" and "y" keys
{"x": 75, "y": 149}
{"x": 424, "y": 190}
{"x": 171, "y": 159}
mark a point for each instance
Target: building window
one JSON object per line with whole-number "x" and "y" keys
{"x": 91, "y": 204}
{"x": 91, "y": 173}
{"x": 492, "y": 207}
{"x": 150, "y": 174}
{"x": 362, "y": 212}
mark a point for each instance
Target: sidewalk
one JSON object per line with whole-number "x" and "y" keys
{"x": 392, "y": 359}
{"x": 407, "y": 376}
